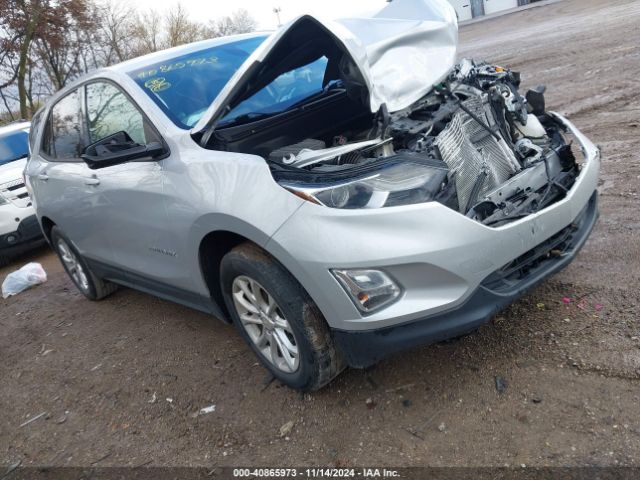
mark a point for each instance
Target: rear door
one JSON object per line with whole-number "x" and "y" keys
{"x": 64, "y": 186}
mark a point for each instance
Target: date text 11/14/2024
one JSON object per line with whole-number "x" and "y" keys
{"x": 315, "y": 473}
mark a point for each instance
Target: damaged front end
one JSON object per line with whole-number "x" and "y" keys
{"x": 473, "y": 143}
{"x": 372, "y": 113}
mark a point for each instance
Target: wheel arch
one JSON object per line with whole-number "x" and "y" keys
{"x": 215, "y": 245}
{"x": 214, "y": 235}
{"x": 47, "y": 225}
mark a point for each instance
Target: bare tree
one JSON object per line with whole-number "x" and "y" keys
{"x": 8, "y": 73}
{"x": 47, "y": 23}
{"x": 63, "y": 45}
{"x": 239, "y": 21}
{"x": 20, "y": 21}
{"x": 44, "y": 44}
{"x": 180, "y": 29}
{"x": 147, "y": 32}
{"x": 117, "y": 27}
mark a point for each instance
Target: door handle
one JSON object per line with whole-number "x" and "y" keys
{"x": 43, "y": 176}
{"x": 92, "y": 181}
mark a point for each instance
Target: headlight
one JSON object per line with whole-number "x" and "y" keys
{"x": 3, "y": 200}
{"x": 391, "y": 185}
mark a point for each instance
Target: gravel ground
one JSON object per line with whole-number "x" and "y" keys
{"x": 122, "y": 381}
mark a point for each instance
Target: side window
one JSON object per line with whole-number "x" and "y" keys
{"x": 63, "y": 138}
{"x": 110, "y": 111}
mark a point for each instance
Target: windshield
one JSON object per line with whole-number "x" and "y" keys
{"x": 14, "y": 146}
{"x": 184, "y": 86}
{"x": 287, "y": 90}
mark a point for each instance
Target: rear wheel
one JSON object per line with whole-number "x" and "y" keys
{"x": 78, "y": 270}
{"x": 278, "y": 319}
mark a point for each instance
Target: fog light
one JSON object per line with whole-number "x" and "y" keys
{"x": 370, "y": 290}
{"x": 11, "y": 238}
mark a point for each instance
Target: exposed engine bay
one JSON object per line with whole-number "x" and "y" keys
{"x": 473, "y": 143}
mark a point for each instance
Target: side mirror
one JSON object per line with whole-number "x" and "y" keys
{"x": 119, "y": 148}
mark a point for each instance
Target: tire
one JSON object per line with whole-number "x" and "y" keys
{"x": 89, "y": 284}
{"x": 318, "y": 360}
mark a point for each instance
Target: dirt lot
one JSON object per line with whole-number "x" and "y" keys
{"x": 122, "y": 380}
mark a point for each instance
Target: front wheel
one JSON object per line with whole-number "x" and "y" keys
{"x": 278, "y": 319}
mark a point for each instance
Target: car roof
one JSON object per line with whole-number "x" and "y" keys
{"x": 14, "y": 127}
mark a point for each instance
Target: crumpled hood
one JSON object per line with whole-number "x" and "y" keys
{"x": 401, "y": 52}
{"x": 405, "y": 49}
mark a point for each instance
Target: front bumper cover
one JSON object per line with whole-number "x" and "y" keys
{"x": 26, "y": 236}
{"x": 364, "y": 348}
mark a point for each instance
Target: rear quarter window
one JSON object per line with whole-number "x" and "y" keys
{"x": 35, "y": 125}
{"x": 63, "y": 134}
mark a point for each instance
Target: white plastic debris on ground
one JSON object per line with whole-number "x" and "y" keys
{"x": 28, "y": 276}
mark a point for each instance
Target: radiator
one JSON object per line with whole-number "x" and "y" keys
{"x": 471, "y": 152}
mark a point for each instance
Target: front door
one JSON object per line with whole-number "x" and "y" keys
{"x": 133, "y": 211}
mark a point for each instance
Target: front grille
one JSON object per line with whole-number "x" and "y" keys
{"x": 15, "y": 192}
{"x": 15, "y": 187}
{"x": 12, "y": 185}
{"x": 472, "y": 152}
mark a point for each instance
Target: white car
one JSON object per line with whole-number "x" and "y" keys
{"x": 19, "y": 227}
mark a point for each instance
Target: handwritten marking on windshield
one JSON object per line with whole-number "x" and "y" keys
{"x": 192, "y": 62}
{"x": 157, "y": 84}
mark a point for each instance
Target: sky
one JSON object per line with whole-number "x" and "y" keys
{"x": 262, "y": 11}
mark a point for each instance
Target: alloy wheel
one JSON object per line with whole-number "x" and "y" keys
{"x": 73, "y": 266}
{"x": 266, "y": 325}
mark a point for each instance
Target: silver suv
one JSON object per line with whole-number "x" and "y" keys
{"x": 340, "y": 191}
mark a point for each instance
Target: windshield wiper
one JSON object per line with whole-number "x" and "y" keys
{"x": 253, "y": 116}
{"x": 316, "y": 96}
{"x": 246, "y": 118}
